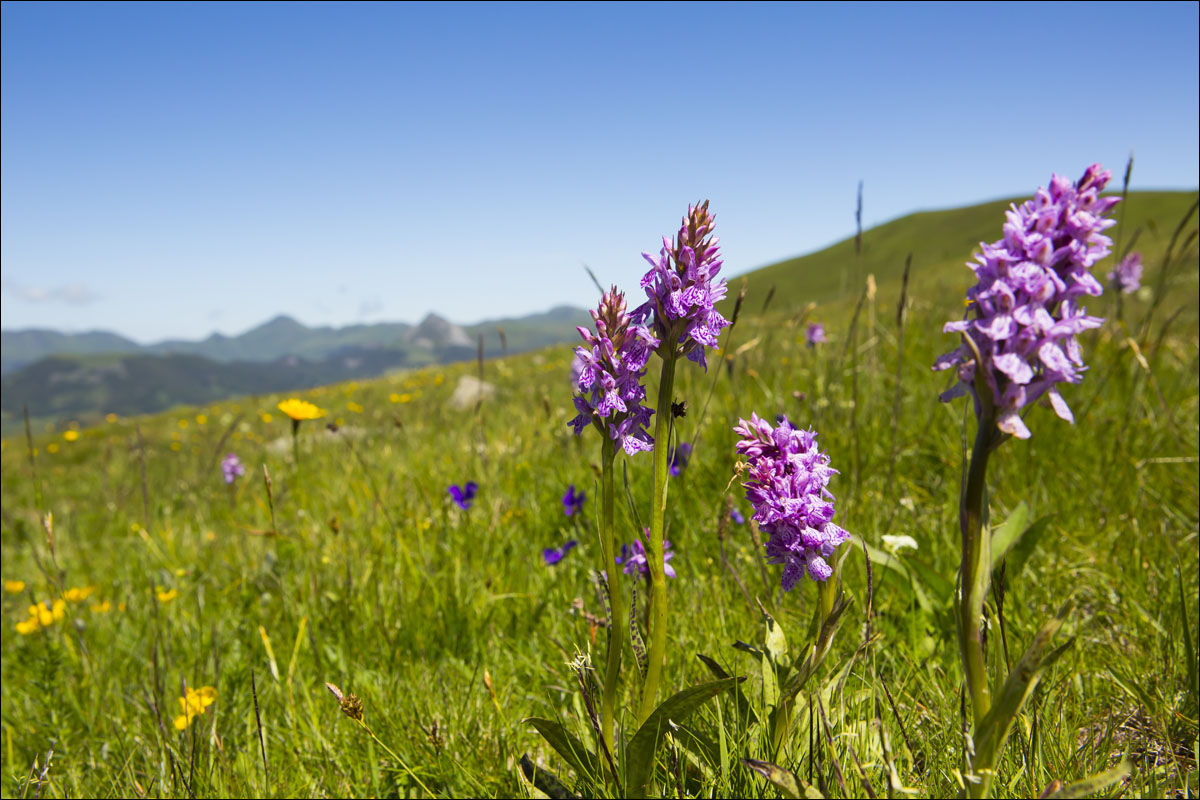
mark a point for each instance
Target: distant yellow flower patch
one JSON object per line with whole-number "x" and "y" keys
{"x": 201, "y": 419}
{"x": 102, "y": 607}
{"x": 355, "y": 407}
{"x": 194, "y": 703}
{"x": 51, "y": 448}
{"x": 166, "y": 595}
{"x": 110, "y": 418}
{"x": 42, "y": 615}
{"x": 393, "y": 398}
{"x": 78, "y": 594}
{"x": 266, "y": 417}
{"x": 14, "y": 587}
{"x": 300, "y": 410}
{"x": 71, "y": 436}
{"x": 183, "y": 423}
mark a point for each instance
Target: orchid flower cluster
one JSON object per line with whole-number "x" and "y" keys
{"x": 611, "y": 367}
{"x": 1023, "y": 315}
{"x": 787, "y": 483}
{"x": 680, "y": 289}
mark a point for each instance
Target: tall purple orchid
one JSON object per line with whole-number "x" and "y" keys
{"x": 1018, "y": 336}
{"x": 1023, "y": 314}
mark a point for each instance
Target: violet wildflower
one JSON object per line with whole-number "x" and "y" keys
{"x": 787, "y": 488}
{"x": 815, "y": 334}
{"x": 737, "y": 517}
{"x": 1126, "y": 277}
{"x": 680, "y": 289}
{"x": 553, "y": 555}
{"x": 679, "y": 458}
{"x": 1022, "y": 317}
{"x": 573, "y": 501}
{"x": 610, "y": 379}
{"x": 633, "y": 557}
{"x": 232, "y": 468}
{"x": 464, "y": 495}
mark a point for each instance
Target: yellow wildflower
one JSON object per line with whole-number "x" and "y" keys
{"x": 110, "y": 417}
{"x": 102, "y": 607}
{"x": 28, "y": 626}
{"x": 14, "y": 587}
{"x": 78, "y": 595}
{"x": 193, "y": 703}
{"x": 355, "y": 407}
{"x": 53, "y": 446}
{"x": 46, "y": 613}
{"x": 183, "y": 423}
{"x": 406, "y": 398}
{"x": 266, "y": 417}
{"x": 300, "y": 410}
{"x": 166, "y": 595}
{"x": 71, "y": 436}
{"x": 201, "y": 419}
{"x": 176, "y": 446}
{"x": 393, "y": 398}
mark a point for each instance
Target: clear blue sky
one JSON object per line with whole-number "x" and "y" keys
{"x": 169, "y": 170}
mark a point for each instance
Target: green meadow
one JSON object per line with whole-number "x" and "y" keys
{"x": 351, "y": 565}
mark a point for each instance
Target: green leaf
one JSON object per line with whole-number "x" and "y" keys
{"x": 639, "y": 755}
{"x": 784, "y": 780}
{"x": 546, "y": 782}
{"x": 1024, "y": 547}
{"x": 1090, "y": 787}
{"x": 992, "y": 731}
{"x": 745, "y": 712}
{"x": 776, "y": 641}
{"x": 1006, "y": 534}
{"x": 635, "y": 636}
{"x": 893, "y": 563}
{"x": 567, "y": 745}
{"x": 819, "y": 650}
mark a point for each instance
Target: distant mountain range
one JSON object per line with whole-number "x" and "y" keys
{"x": 83, "y": 374}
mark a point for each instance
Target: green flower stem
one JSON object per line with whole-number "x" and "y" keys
{"x": 975, "y": 573}
{"x": 400, "y": 760}
{"x": 296, "y": 442}
{"x": 827, "y": 592}
{"x": 654, "y": 552}
{"x": 616, "y": 639}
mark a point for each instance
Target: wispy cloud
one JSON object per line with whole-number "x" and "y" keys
{"x": 369, "y": 308}
{"x": 74, "y": 294}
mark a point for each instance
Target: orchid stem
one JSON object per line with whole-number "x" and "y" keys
{"x": 616, "y": 641}
{"x": 976, "y": 570}
{"x": 654, "y": 551}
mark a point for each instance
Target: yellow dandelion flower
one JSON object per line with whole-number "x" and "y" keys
{"x": 393, "y": 398}
{"x": 102, "y": 607}
{"x": 201, "y": 419}
{"x": 355, "y": 407}
{"x": 406, "y": 398}
{"x": 53, "y": 446}
{"x": 71, "y": 436}
{"x": 300, "y": 410}
{"x": 47, "y": 613}
{"x": 26, "y": 627}
{"x": 439, "y": 379}
{"x": 78, "y": 594}
{"x": 14, "y": 587}
{"x": 194, "y": 703}
{"x": 166, "y": 595}
{"x": 183, "y": 423}
{"x": 266, "y": 417}
{"x": 176, "y": 446}
{"x": 110, "y": 418}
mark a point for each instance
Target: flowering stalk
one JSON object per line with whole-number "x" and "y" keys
{"x": 1018, "y": 344}
{"x": 681, "y": 293}
{"x": 616, "y": 639}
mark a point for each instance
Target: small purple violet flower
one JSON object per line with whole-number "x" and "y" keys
{"x": 679, "y": 458}
{"x": 464, "y": 495}
{"x": 1126, "y": 277}
{"x": 737, "y": 517}
{"x": 786, "y": 487}
{"x": 573, "y": 501}
{"x": 1022, "y": 317}
{"x": 553, "y": 555}
{"x": 610, "y": 378}
{"x": 633, "y": 556}
{"x": 232, "y": 467}
{"x": 815, "y": 334}
{"x": 680, "y": 289}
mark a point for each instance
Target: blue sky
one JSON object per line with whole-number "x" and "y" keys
{"x": 170, "y": 170}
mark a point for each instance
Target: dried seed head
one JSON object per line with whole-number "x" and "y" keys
{"x": 351, "y": 706}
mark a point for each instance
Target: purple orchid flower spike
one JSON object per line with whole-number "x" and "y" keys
{"x": 553, "y": 555}
{"x": 679, "y": 458}
{"x": 573, "y": 501}
{"x": 464, "y": 495}
{"x": 1023, "y": 315}
{"x": 787, "y": 479}
{"x": 815, "y": 334}
{"x": 1126, "y": 277}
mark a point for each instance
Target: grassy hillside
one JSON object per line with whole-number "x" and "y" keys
{"x": 354, "y": 567}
